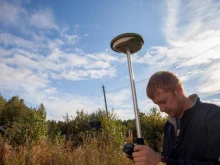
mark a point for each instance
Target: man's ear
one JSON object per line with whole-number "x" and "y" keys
{"x": 179, "y": 89}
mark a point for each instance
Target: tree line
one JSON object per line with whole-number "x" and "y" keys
{"x": 25, "y": 125}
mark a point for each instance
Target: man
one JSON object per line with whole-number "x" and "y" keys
{"x": 192, "y": 133}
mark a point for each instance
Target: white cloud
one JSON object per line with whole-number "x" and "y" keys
{"x": 67, "y": 35}
{"x": 210, "y": 82}
{"x": 122, "y": 103}
{"x": 36, "y": 89}
{"x": 51, "y": 90}
{"x": 43, "y": 19}
{"x": 10, "y": 40}
{"x": 188, "y": 74}
{"x": 76, "y": 75}
{"x": 98, "y": 64}
{"x": 66, "y": 103}
{"x": 4, "y": 52}
{"x": 85, "y": 35}
{"x": 76, "y": 28}
{"x": 21, "y": 18}
{"x": 35, "y": 43}
{"x": 110, "y": 72}
{"x": 104, "y": 57}
{"x": 48, "y": 55}
{"x": 14, "y": 16}
{"x": 186, "y": 18}
{"x": 145, "y": 105}
{"x": 124, "y": 114}
{"x": 21, "y": 62}
{"x": 171, "y": 22}
{"x": 168, "y": 56}
{"x": 70, "y": 39}
{"x": 15, "y": 81}
{"x": 42, "y": 42}
{"x": 70, "y": 59}
{"x": 59, "y": 64}
{"x": 119, "y": 97}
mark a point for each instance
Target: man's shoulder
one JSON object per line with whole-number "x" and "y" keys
{"x": 204, "y": 105}
{"x": 209, "y": 106}
{"x": 209, "y": 109}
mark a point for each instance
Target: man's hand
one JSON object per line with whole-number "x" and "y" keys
{"x": 144, "y": 155}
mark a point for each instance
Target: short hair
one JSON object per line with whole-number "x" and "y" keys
{"x": 164, "y": 80}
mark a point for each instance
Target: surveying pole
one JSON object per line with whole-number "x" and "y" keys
{"x": 130, "y": 43}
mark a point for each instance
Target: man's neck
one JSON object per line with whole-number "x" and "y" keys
{"x": 189, "y": 102}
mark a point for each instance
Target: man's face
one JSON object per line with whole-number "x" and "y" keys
{"x": 169, "y": 102}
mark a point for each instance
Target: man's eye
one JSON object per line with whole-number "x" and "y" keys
{"x": 163, "y": 102}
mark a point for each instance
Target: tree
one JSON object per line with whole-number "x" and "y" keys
{"x": 53, "y": 130}
{"x": 31, "y": 127}
{"x": 2, "y": 108}
{"x": 14, "y": 111}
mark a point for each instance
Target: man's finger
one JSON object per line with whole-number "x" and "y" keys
{"x": 136, "y": 154}
{"x": 139, "y": 147}
{"x": 138, "y": 159}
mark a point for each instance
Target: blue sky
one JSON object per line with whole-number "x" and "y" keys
{"x": 58, "y": 52}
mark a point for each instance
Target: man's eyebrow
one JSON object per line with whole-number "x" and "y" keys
{"x": 161, "y": 101}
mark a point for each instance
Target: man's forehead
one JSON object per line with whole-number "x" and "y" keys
{"x": 158, "y": 92}
{"x": 158, "y": 95}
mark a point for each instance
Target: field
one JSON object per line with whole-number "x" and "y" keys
{"x": 93, "y": 152}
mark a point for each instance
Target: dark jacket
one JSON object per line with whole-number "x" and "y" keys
{"x": 199, "y": 139}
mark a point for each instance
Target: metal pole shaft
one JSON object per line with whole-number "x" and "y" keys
{"x": 136, "y": 112}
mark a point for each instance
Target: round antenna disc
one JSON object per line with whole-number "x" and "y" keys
{"x": 127, "y": 42}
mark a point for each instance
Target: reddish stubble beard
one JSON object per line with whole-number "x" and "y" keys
{"x": 178, "y": 108}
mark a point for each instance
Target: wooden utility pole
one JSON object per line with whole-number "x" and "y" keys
{"x": 103, "y": 87}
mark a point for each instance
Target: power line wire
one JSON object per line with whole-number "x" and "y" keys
{"x": 119, "y": 88}
{"x": 92, "y": 102}
{"x": 95, "y": 91}
{"x": 204, "y": 28}
{"x": 194, "y": 56}
{"x": 168, "y": 68}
